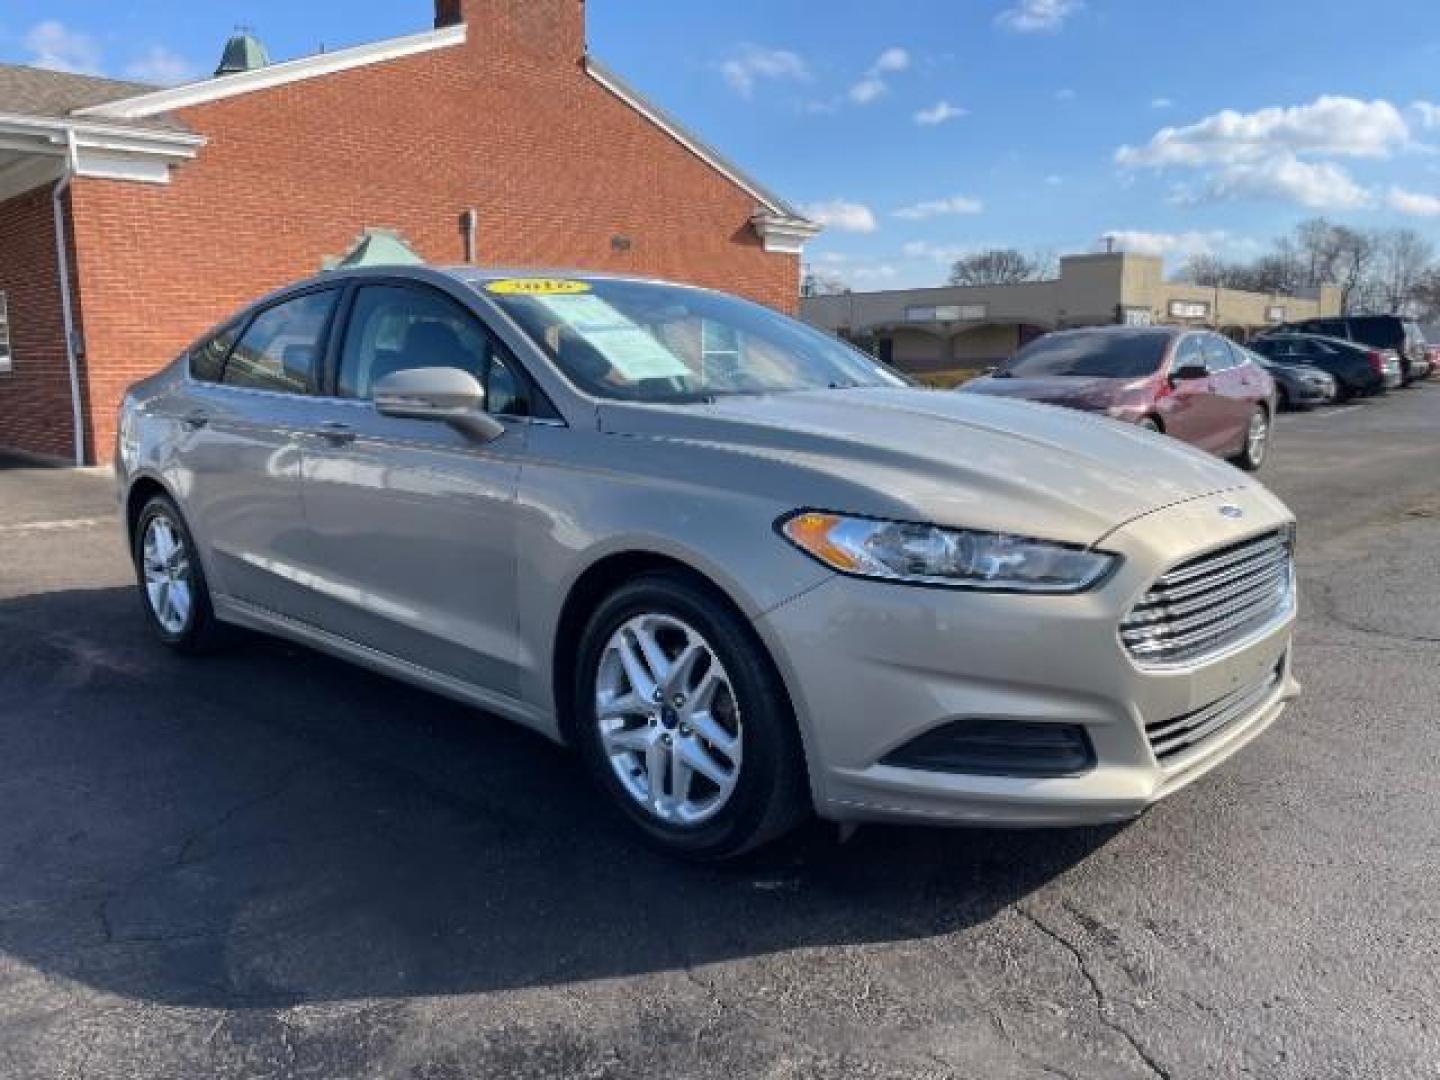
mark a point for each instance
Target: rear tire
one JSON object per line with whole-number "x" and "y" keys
{"x": 1257, "y": 442}
{"x": 171, "y": 581}
{"x": 703, "y": 759}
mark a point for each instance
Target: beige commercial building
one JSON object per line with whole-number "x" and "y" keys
{"x": 967, "y": 326}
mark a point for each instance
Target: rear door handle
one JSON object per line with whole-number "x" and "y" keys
{"x": 195, "y": 420}
{"x": 336, "y": 433}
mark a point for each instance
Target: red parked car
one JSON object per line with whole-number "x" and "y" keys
{"x": 1192, "y": 384}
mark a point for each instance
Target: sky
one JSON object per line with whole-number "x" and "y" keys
{"x": 919, "y": 130}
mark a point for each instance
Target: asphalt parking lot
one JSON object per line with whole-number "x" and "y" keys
{"x": 271, "y": 864}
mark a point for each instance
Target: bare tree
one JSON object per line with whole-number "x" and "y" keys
{"x": 819, "y": 283}
{"x": 1402, "y": 262}
{"x": 1354, "y": 257}
{"x": 998, "y": 266}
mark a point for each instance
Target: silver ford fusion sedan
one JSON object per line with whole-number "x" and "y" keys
{"x": 744, "y": 570}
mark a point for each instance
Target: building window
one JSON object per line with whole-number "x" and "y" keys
{"x": 1275, "y": 313}
{"x": 1189, "y": 309}
{"x": 947, "y": 313}
{"x": 7, "y": 359}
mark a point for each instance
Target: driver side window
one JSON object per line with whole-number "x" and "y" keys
{"x": 397, "y": 328}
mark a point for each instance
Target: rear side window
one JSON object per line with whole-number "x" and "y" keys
{"x": 1386, "y": 333}
{"x": 1330, "y": 328}
{"x": 281, "y": 348}
{"x": 207, "y": 359}
{"x": 1218, "y": 356}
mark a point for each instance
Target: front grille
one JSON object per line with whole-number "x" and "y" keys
{"x": 1207, "y": 604}
{"x": 1171, "y": 739}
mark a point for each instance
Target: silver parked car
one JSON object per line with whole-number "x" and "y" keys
{"x": 744, "y": 570}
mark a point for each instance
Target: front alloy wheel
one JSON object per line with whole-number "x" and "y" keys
{"x": 668, "y": 719}
{"x": 683, "y": 722}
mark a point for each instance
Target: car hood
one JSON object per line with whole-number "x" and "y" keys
{"x": 952, "y": 459}
{"x": 1073, "y": 392}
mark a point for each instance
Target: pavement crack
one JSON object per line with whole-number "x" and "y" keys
{"x": 1025, "y": 1055}
{"x": 1103, "y": 1006}
{"x": 272, "y": 791}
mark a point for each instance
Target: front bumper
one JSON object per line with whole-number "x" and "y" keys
{"x": 871, "y": 666}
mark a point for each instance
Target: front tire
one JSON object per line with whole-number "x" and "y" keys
{"x": 682, "y": 721}
{"x": 173, "y": 589}
{"x": 1257, "y": 442}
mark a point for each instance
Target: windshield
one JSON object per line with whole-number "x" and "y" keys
{"x": 1111, "y": 354}
{"x": 642, "y": 341}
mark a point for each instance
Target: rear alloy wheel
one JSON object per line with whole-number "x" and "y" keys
{"x": 1257, "y": 442}
{"x": 172, "y": 582}
{"x": 682, "y": 721}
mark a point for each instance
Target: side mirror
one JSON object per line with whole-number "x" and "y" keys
{"x": 1189, "y": 372}
{"x": 443, "y": 394}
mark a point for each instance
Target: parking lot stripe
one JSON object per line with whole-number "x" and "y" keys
{"x": 69, "y": 525}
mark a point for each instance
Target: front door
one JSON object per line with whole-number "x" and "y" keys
{"x": 412, "y": 524}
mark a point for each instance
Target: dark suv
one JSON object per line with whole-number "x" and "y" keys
{"x": 1378, "y": 331}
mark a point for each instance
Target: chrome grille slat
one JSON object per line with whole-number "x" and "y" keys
{"x": 1181, "y": 628}
{"x": 1262, "y": 562}
{"x": 1207, "y": 565}
{"x": 1200, "y": 607}
{"x": 1251, "y": 583}
{"x": 1173, "y": 737}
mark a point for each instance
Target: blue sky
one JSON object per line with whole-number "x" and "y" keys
{"x": 1046, "y": 118}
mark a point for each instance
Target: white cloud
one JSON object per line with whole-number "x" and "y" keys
{"x": 956, "y": 204}
{"x": 1414, "y": 202}
{"x": 1317, "y": 185}
{"x": 872, "y": 85}
{"x": 876, "y": 272}
{"x": 842, "y": 215}
{"x": 159, "y": 65}
{"x": 940, "y": 253}
{"x": 752, "y": 64}
{"x": 1065, "y": 95}
{"x": 54, "y": 46}
{"x": 1169, "y": 245}
{"x": 1054, "y": 180}
{"x": 1038, "y": 16}
{"x": 1427, "y": 113}
{"x": 1329, "y": 125}
{"x": 1162, "y": 103}
{"x": 939, "y": 113}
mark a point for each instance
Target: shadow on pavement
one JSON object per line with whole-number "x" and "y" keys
{"x": 269, "y": 827}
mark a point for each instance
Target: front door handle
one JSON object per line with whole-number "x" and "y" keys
{"x": 336, "y": 433}
{"x": 195, "y": 420}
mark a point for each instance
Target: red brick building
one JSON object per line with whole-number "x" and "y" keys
{"x": 163, "y": 210}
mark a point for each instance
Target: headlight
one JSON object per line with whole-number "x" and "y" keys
{"x": 930, "y": 555}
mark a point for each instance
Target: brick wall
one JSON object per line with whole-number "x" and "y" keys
{"x": 509, "y": 124}
{"x": 35, "y": 413}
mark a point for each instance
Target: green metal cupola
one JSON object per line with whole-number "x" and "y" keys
{"x": 243, "y": 52}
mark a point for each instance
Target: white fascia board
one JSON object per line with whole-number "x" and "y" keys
{"x": 52, "y": 131}
{"x": 784, "y": 235}
{"x": 290, "y": 71}
{"x": 99, "y": 165}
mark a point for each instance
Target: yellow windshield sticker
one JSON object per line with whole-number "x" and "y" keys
{"x": 537, "y": 287}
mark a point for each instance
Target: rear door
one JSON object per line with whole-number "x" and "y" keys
{"x": 1233, "y": 393}
{"x": 238, "y": 452}
{"x": 1187, "y": 410}
{"x": 412, "y": 523}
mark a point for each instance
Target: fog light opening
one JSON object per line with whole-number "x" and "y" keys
{"x": 999, "y": 748}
